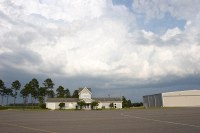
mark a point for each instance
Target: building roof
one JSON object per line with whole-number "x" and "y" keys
{"x": 80, "y": 89}
{"x": 107, "y": 99}
{"x": 77, "y": 99}
{"x": 175, "y": 93}
{"x": 182, "y": 93}
{"x": 62, "y": 99}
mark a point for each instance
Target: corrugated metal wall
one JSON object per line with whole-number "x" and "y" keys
{"x": 153, "y": 100}
{"x": 187, "y": 98}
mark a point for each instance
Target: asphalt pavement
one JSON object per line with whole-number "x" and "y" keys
{"x": 166, "y": 120}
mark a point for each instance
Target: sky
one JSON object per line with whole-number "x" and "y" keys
{"x": 118, "y": 48}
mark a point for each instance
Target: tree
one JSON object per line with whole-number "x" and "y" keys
{"x": 1, "y": 84}
{"x": 25, "y": 92}
{"x": 51, "y": 93}
{"x": 9, "y": 92}
{"x": 81, "y": 104}
{"x": 34, "y": 87}
{"x": 42, "y": 92}
{"x": 16, "y": 85}
{"x": 75, "y": 94}
{"x": 129, "y": 104}
{"x": 2, "y": 90}
{"x": 126, "y": 103}
{"x": 60, "y": 92}
{"x": 61, "y": 105}
{"x": 67, "y": 93}
{"x": 41, "y": 102}
{"x": 111, "y": 105}
{"x": 48, "y": 84}
{"x": 94, "y": 104}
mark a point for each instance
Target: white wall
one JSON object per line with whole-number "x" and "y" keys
{"x": 55, "y": 105}
{"x": 71, "y": 105}
{"x": 50, "y": 105}
{"x": 190, "y": 98}
{"x": 85, "y": 94}
{"x": 106, "y": 105}
{"x": 181, "y": 101}
{"x": 118, "y": 105}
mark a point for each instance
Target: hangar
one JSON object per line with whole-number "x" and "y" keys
{"x": 187, "y": 98}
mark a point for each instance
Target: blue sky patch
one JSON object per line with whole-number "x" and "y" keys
{"x": 160, "y": 26}
{"x": 127, "y": 3}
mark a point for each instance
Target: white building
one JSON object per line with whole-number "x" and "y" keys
{"x": 85, "y": 95}
{"x": 188, "y": 98}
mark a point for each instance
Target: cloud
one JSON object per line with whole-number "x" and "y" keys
{"x": 56, "y": 10}
{"x": 171, "y": 33}
{"x": 98, "y": 40}
{"x": 156, "y": 9}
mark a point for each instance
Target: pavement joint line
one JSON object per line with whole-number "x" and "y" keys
{"x": 30, "y": 128}
{"x": 170, "y": 122}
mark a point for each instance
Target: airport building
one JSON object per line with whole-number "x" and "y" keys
{"x": 188, "y": 98}
{"x": 85, "y": 94}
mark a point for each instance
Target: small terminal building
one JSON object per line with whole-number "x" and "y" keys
{"x": 85, "y": 94}
{"x": 188, "y": 98}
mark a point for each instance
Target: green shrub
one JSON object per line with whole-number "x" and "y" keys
{"x": 111, "y": 105}
{"x": 94, "y": 104}
{"x": 137, "y": 104}
{"x": 42, "y": 106}
{"x": 22, "y": 104}
{"x": 3, "y": 108}
{"x": 61, "y": 105}
{"x": 23, "y": 107}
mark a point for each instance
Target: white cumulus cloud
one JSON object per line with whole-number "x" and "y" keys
{"x": 98, "y": 39}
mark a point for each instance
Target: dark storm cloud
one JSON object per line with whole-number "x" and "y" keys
{"x": 20, "y": 57}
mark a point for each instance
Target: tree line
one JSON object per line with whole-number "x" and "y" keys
{"x": 36, "y": 93}
{"x": 127, "y": 103}
{"x": 32, "y": 90}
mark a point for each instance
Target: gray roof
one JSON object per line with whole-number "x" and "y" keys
{"x": 107, "y": 99}
{"x": 80, "y": 89}
{"x": 77, "y": 99}
{"x": 62, "y": 99}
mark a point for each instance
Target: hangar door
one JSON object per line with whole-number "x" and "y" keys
{"x": 153, "y": 100}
